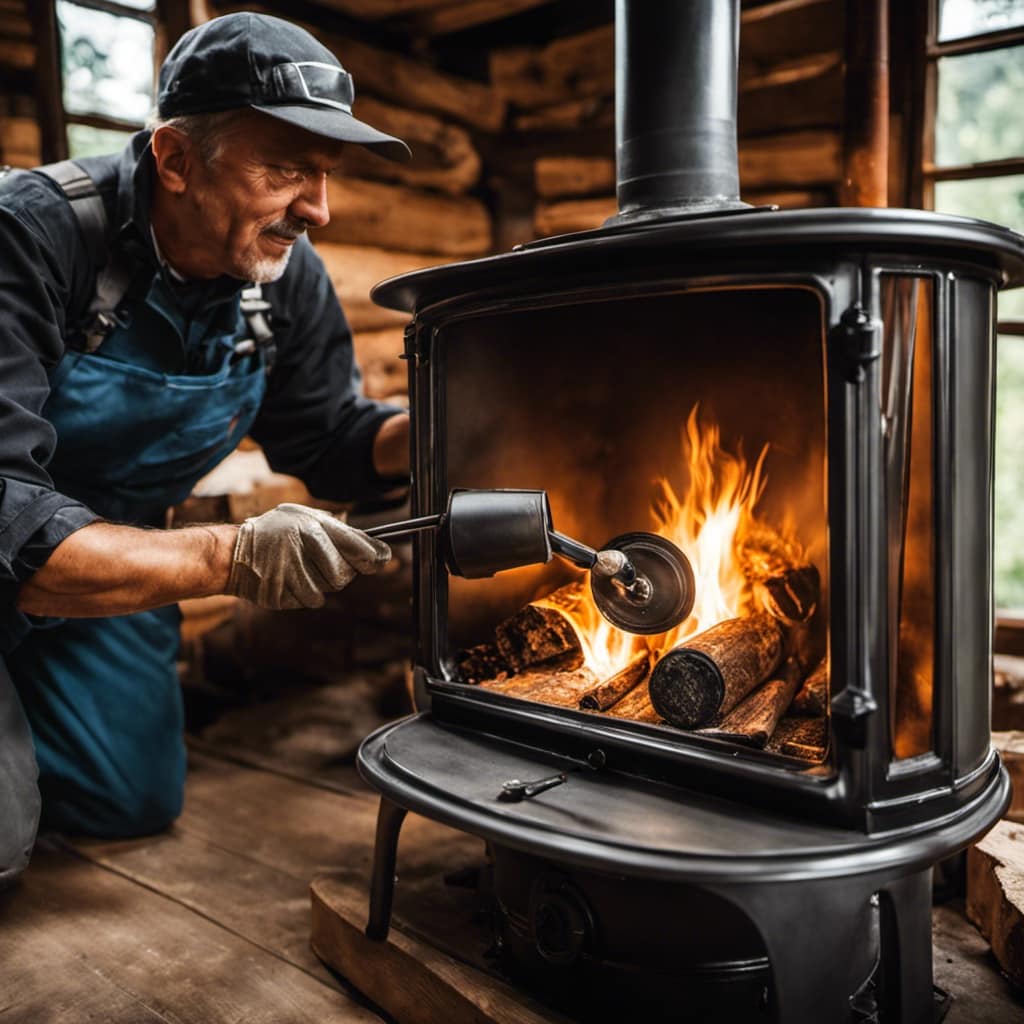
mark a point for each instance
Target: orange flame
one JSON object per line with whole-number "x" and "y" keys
{"x": 715, "y": 525}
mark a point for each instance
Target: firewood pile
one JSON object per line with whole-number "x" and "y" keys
{"x": 758, "y": 680}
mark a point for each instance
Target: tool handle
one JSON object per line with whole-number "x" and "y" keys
{"x": 405, "y": 528}
{"x": 579, "y": 554}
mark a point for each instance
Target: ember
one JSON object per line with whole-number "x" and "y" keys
{"x": 732, "y": 668}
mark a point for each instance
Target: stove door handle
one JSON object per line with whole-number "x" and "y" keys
{"x": 514, "y": 790}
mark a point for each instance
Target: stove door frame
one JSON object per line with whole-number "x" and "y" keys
{"x": 861, "y": 785}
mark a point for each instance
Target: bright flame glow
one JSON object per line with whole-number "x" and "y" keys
{"x": 715, "y": 526}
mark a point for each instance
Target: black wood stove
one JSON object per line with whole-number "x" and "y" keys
{"x": 683, "y": 866}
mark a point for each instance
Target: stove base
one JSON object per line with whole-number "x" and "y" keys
{"x": 814, "y": 903}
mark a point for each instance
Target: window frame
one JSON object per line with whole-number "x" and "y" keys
{"x": 1009, "y": 632}
{"x": 169, "y": 19}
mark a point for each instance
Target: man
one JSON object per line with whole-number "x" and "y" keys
{"x": 109, "y": 416}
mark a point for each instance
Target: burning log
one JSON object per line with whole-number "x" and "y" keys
{"x": 792, "y": 596}
{"x": 812, "y": 698}
{"x": 785, "y": 585}
{"x": 539, "y": 634}
{"x": 754, "y": 719}
{"x": 480, "y": 663}
{"x": 636, "y": 706}
{"x": 613, "y": 689}
{"x": 559, "y": 687}
{"x": 806, "y": 738}
{"x": 710, "y": 674}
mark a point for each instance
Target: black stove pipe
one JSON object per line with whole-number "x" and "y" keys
{"x": 675, "y": 126}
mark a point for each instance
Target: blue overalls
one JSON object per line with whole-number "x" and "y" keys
{"x": 102, "y": 695}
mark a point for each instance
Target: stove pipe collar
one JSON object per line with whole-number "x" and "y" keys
{"x": 675, "y": 109}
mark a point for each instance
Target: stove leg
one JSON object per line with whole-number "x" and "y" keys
{"x": 382, "y": 882}
{"x": 905, "y": 970}
{"x": 809, "y": 929}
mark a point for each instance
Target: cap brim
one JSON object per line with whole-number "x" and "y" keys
{"x": 336, "y": 124}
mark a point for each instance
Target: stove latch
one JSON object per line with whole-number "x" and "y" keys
{"x": 514, "y": 790}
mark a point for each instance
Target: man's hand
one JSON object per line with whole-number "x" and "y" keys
{"x": 292, "y": 555}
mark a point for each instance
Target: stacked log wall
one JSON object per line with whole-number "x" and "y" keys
{"x": 20, "y": 143}
{"x": 790, "y": 92}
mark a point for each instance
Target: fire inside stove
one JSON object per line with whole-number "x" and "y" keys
{"x": 753, "y": 618}
{"x": 700, "y": 417}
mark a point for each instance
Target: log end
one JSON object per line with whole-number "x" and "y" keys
{"x": 687, "y": 689}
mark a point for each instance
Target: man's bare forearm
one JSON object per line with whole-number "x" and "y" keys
{"x": 103, "y": 569}
{"x": 391, "y": 446}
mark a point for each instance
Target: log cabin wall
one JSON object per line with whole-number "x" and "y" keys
{"x": 509, "y": 108}
{"x": 20, "y": 141}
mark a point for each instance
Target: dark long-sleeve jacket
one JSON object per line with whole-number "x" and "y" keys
{"x": 314, "y": 421}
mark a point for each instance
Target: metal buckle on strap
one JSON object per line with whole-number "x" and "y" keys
{"x": 254, "y": 309}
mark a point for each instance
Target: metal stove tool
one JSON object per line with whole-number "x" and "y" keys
{"x": 640, "y": 582}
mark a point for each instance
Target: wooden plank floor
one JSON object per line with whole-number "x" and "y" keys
{"x": 209, "y": 923}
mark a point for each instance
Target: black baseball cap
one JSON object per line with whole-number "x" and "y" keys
{"x": 258, "y": 61}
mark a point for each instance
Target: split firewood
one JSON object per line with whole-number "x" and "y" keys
{"x": 995, "y": 894}
{"x": 636, "y": 706}
{"x": 539, "y": 634}
{"x": 712, "y": 672}
{"x": 548, "y": 687}
{"x": 608, "y": 691}
{"x": 752, "y": 722}
{"x": 812, "y": 698}
{"x": 792, "y": 596}
{"x": 1011, "y": 751}
{"x": 806, "y": 738}
{"x": 784, "y": 583}
{"x": 479, "y": 663}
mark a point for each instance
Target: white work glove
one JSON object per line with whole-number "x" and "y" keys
{"x": 292, "y": 555}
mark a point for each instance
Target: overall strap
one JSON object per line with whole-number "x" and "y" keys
{"x": 114, "y": 275}
{"x": 255, "y": 309}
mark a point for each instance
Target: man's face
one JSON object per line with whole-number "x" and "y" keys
{"x": 264, "y": 187}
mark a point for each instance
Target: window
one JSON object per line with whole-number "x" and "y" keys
{"x": 107, "y": 62}
{"x": 974, "y": 166}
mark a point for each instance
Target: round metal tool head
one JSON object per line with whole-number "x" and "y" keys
{"x": 655, "y": 608}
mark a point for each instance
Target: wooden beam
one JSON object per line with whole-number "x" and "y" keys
{"x": 20, "y": 142}
{"x": 567, "y": 69}
{"x": 805, "y": 94}
{"x": 446, "y": 18}
{"x": 790, "y": 160}
{"x": 380, "y": 357}
{"x": 406, "y": 81}
{"x": 54, "y": 141}
{"x": 443, "y": 155}
{"x": 790, "y": 199}
{"x": 982, "y": 169}
{"x": 396, "y": 217}
{"x": 556, "y": 177}
{"x": 978, "y": 44}
{"x": 379, "y": 10}
{"x": 413, "y": 83}
{"x": 788, "y": 29}
{"x": 355, "y": 269}
{"x": 571, "y": 215}
{"x": 865, "y": 174}
{"x": 19, "y": 54}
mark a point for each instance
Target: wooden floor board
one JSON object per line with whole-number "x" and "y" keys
{"x": 210, "y": 922}
{"x": 75, "y": 934}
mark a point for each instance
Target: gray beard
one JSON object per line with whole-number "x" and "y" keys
{"x": 264, "y": 269}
